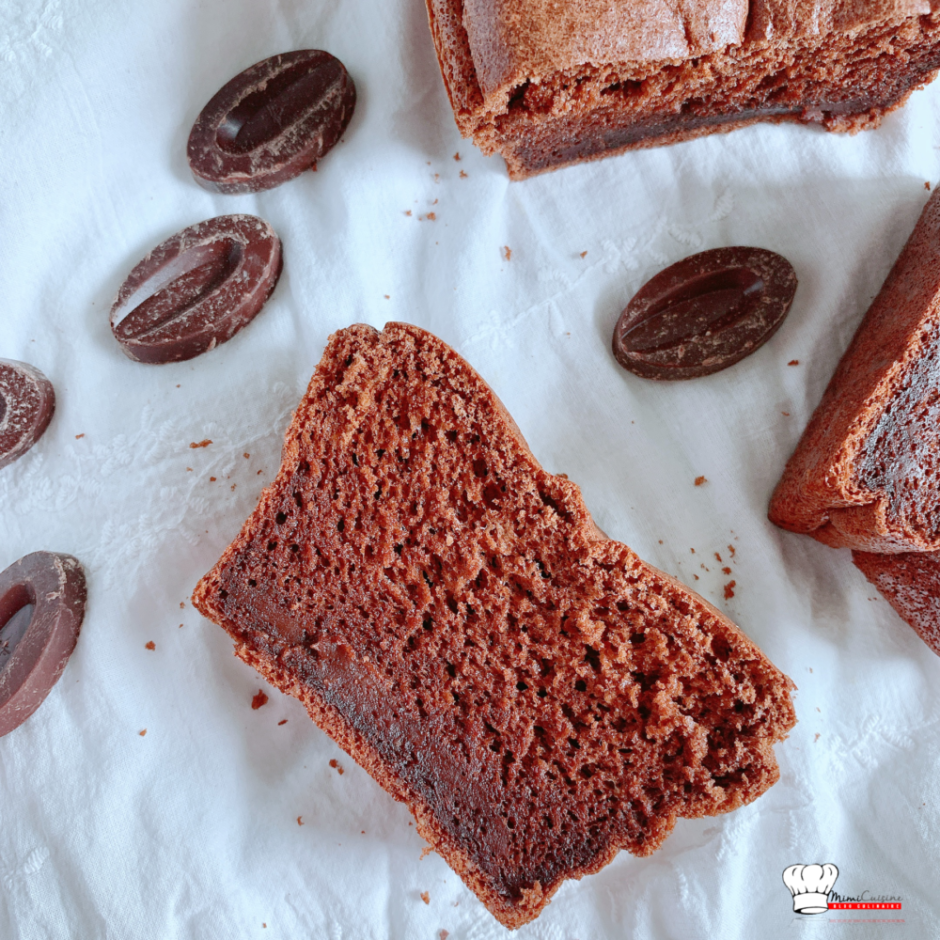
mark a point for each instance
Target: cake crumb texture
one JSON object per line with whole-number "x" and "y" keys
{"x": 910, "y": 583}
{"x": 448, "y": 612}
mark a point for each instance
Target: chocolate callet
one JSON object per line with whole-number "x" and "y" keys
{"x": 27, "y": 402}
{"x": 271, "y": 122}
{"x": 197, "y": 289}
{"x": 704, "y": 313}
{"x": 42, "y": 603}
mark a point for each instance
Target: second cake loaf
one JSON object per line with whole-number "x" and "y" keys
{"x": 866, "y": 472}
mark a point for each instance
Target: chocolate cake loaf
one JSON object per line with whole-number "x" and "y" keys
{"x": 448, "y": 612}
{"x": 866, "y": 472}
{"x": 910, "y": 583}
{"x": 548, "y": 83}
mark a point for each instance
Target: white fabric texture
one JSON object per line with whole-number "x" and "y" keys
{"x": 192, "y": 830}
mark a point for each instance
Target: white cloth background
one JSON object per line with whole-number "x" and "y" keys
{"x": 191, "y": 831}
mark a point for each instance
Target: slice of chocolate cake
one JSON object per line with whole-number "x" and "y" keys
{"x": 910, "y": 583}
{"x": 548, "y": 83}
{"x": 448, "y": 612}
{"x": 866, "y": 472}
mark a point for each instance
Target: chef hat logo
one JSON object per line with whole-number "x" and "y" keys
{"x": 810, "y": 886}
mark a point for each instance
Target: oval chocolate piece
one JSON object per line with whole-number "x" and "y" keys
{"x": 27, "y": 401}
{"x": 704, "y": 313}
{"x": 42, "y": 603}
{"x": 197, "y": 289}
{"x": 271, "y": 122}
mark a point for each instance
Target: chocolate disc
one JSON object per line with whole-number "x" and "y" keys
{"x": 197, "y": 289}
{"x": 27, "y": 401}
{"x": 42, "y": 602}
{"x": 271, "y": 122}
{"x": 704, "y": 313}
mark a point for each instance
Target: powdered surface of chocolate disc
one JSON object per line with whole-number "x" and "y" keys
{"x": 27, "y": 401}
{"x": 704, "y": 313}
{"x": 197, "y": 289}
{"x": 271, "y": 122}
{"x": 42, "y": 603}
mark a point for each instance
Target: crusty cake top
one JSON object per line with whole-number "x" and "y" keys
{"x": 514, "y": 41}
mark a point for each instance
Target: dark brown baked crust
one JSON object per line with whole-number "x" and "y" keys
{"x": 911, "y": 585}
{"x": 448, "y": 612}
{"x": 548, "y": 84}
{"x": 865, "y": 472}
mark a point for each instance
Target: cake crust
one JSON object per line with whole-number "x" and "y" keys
{"x": 863, "y": 473}
{"x": 449, "y": 613}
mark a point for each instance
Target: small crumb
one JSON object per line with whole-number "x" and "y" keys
{"x": 387, "y": 297}
{"x": 793, "y": 362}
{"x": 150, "y": 645}
{"x": 810, "y": 668}
{"x": 233, "y": 486}
{"x": 695, "y": 576}
{"x": 181, "y": 626}
{"x": 817, "y": 736}
{"x": 336, "y": 765}
{"x": 443, "y": 935}
{"x": 78, "y": 437}
{"x": 457, "y": 155}
{"x": 717, "y": 557}
{"x": 463, "y": 175}
{"x": 212, "y": 479}
{"x": 437, "y": 177}
{"x": 300, "y": 820}
{"x": 142, "y": 733}
{"x": 425, "y": 897}
{"x": 182, "y": 605}
{"x": 786, "y": 414}
{"x": 177, "y": 386}
{"x": 819, "y": 709}
{"x": 434, "y": 203}
{"x": 700, "y": 480}
{"x": 258, "y": 700}
{"x": 407, "y": 211}
{"x": 731, "y": 549}
{"x": 507, "y": 252}
{"x": 726, "y": 570}
{"x": 927, "y": 186}
{"x": 283, "y": 721}
{"x": 692, "y": 550}
{"x": 729, "y": 590}
{"x": 246, "y": 456}
{"x": 583, "y": 254}
{"x": 195, "y": 446}
{"x": 363, "y": 832}
{"x": 431, "y": 217}
{"x": 660, "y": 541}
{"x": 189, "y": 469}
{"x": 259, "y": 473}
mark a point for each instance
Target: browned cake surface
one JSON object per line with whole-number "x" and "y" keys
{"x": 866, "y": 472}
{"x": 911, "y": 584}
{"x": 548, "y": 84}
{"x": 448, "y": 612}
